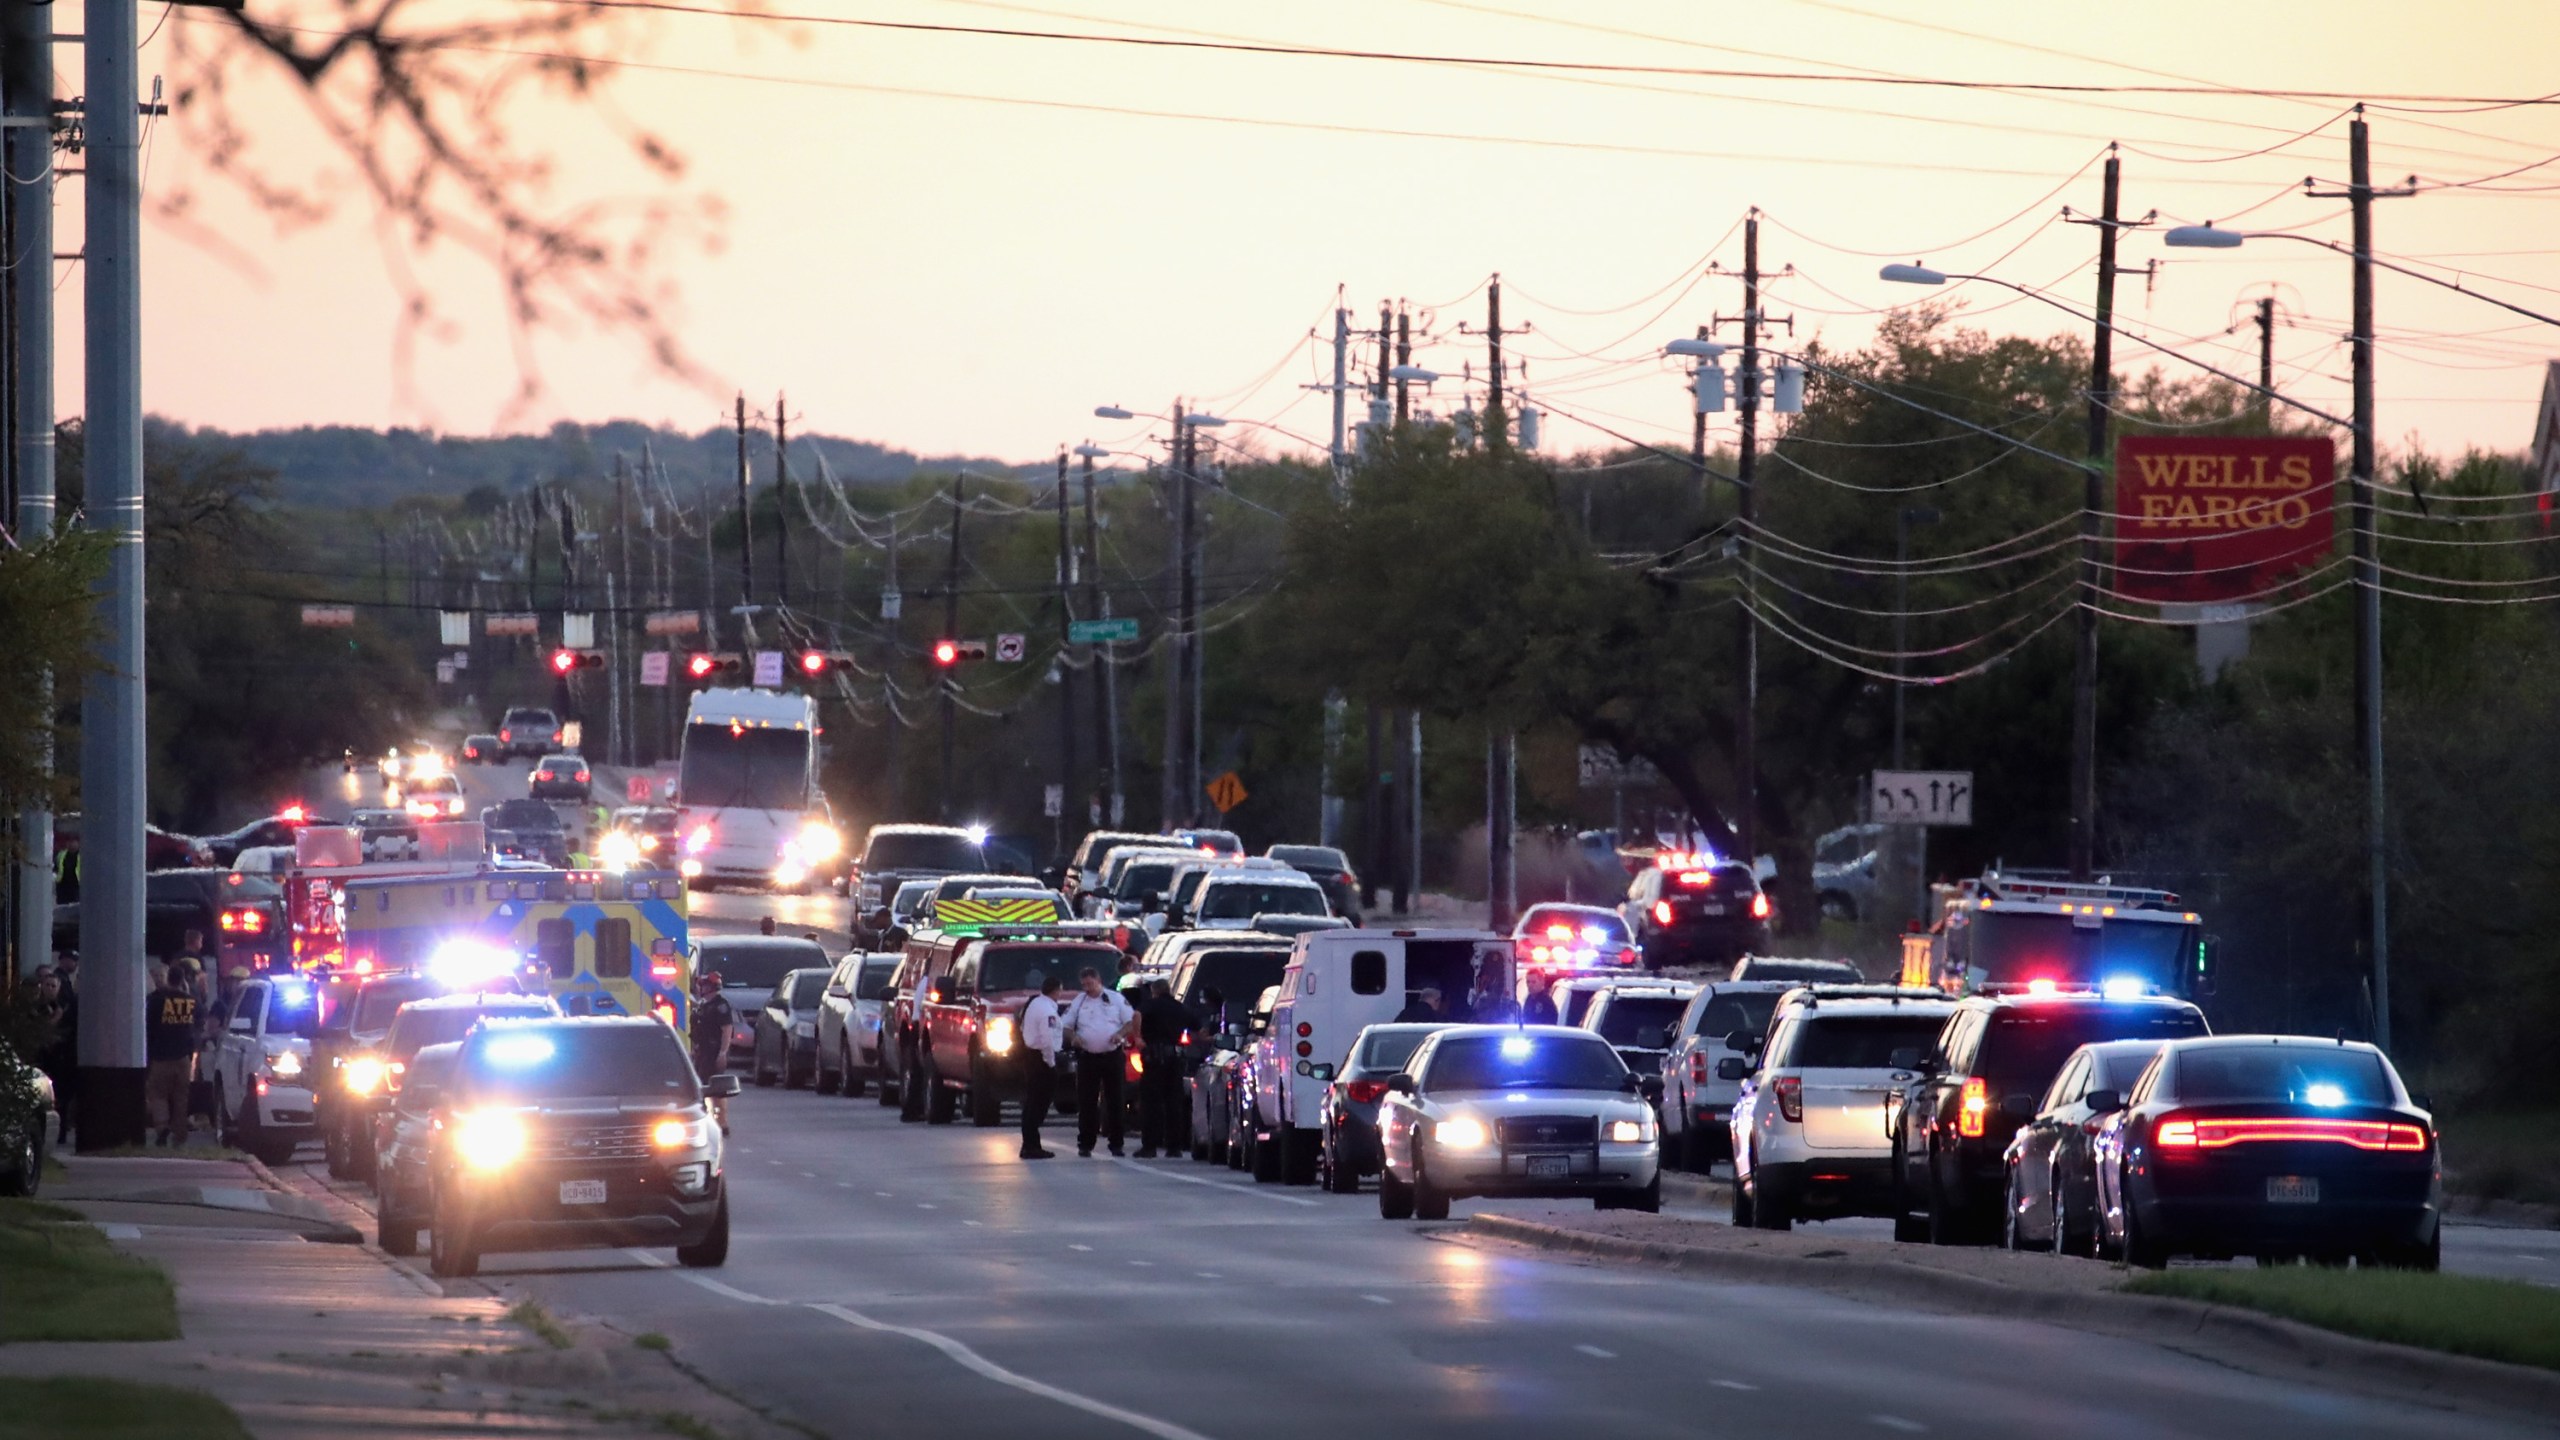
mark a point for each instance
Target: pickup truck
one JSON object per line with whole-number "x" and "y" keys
{"x": 970, "y": 1041}
{"x": 260, "y": 1066}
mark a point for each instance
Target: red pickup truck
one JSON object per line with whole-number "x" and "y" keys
{"x": 969, "y": 1030}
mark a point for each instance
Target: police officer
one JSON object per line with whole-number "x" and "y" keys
{"x": 1098, "y": 1022}
{"x": 1041, "y": 1034}
{"x": 170, "y": 1041}
{"x": 1161, "y": 1021}
{"x": 712, "y": 1017}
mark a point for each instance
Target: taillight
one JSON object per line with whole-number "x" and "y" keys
{"x": 1662, "y": 912}
{"x": 244, "y": 922}
{"x": 1760, "y": 906}
{"x": 1305, "y": 1029}
{"x": 1697, "y": 1067}
{"x": 2218, "y": 1134}
{"x": 1790, "y": 1098}
{"x": 1971, "y": 1110}
{"x": 506, "y": 734}
{"x": 663, "y": 969}
{"x": 1365, "y": 1092}
{"x": 2175, "y": 1135}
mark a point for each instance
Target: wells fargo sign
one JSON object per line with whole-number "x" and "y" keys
{"x": 2214, "y": 519}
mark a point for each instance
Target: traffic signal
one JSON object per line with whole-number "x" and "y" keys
{"x": 564, "y": 661}
{"x": 702, "y": 667}
{"x": 952, "y": 652}
{"x": 813, "y": 663}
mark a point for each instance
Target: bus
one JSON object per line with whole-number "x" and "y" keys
{"x": 747, "y": 793}
{"x": 597, "y": 942}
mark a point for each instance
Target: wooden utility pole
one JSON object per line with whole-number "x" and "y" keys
{"x": 746, "y": 530}
{"x": 1746, "y": 725}
{"x": 1066, "y": 676}
{"x": 950, "y": 631}
{"x": 2093, "y": 505}
{"x": 781, "y": 502}
{"x": 2266, "y": 358}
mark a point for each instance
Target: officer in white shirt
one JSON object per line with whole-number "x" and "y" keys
{"x": 1041, "y": 1032}
{"x": 1099, "y": 1023}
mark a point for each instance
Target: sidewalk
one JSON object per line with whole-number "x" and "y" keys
{"x": 309, "y": 1334}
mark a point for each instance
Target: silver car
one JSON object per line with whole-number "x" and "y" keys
{"x": 849, "y": 1022}
{"x": 1535, "y": 1111}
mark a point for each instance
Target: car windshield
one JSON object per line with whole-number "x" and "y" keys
{"x": 1856, "y": 1042}
{"x": 2288, "y": 1074}
{"x": 418, "y": 1028}
{"x": 2027, "y": 1044}
{"x": 759, "y": 967}
{"x": 1387, "y": 1050}
{"x": 1242, "y": 900}
{"x": 1145, "y": 877}
{"x": 1641, "y": 1020}
{"x": 529, "y": 717}
{"x": 378, "y": 1003}
{"x": 1236, "y": 975}
{"x": 1524, "y": 1061}
{"x": 1022, "y": 967}
{"x": 523, "y": 815}
{"x": 1311, "y": 857}
{"x": 1726, "y": 1012}
{"x": 806, "y": 990}
{"x": 1186, "y": 889}
{"x": 930, "y": 850}
{"x": 873, "y": 981}
{"x": 903, "y": 905}
{"x": 733, "y": 767}
{"x": 546, "y": 1062}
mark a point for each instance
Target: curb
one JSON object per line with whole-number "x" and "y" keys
{"x": 2225, "y": 1333}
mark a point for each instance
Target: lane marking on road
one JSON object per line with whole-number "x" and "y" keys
{"x": 1596, "y": 1353}
{"x": 1896, "y": 1422}
{"x": 1732, "y": 1385}
{"x": 732, "y": 1292}
{"x": 844, "y": 1184}
{"x": 1086, "y": 1248}
{"x": 1377, "y": 1299}
{"x": 975, "y": 1224}
{"x": 1144, "y": 1264}
{"x": 1264, "y": 1191}
{"x": 927, "y": 1205}
{"x": 883, "y": 1194}
{"x": 972, "y": 1360}
{"x": 1208, "y": 1274}
{"x": 808, "y": 1174}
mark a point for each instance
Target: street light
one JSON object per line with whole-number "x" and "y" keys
{"x": 1413, "y": 374}
{"x": 1113, "y": 412}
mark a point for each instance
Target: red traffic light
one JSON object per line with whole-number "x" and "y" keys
{"x": 946, "y": 652}
{"x": 700, "y": 664}
{"x": 813, "y": 662}
{"x": 564, "y": 661}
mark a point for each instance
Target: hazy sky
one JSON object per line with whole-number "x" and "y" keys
{"x": 955, "y": 243}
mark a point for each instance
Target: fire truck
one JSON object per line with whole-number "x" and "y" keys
{"x": 2017, "y": 932}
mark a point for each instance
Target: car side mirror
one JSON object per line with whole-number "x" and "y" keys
{"x": 2103, "y": 1102}
{"x": 838, "y": 992}
{"x": 1650, "y": 1087}
{"x": 1323, "y": 1074}
{"x": 1733, "y": 1067}
{"x": 1400, "y": 1084}
{"x": 2018, "y": 1107}
{"x": 720, "y": 1087}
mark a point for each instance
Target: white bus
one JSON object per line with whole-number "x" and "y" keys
{"x": 747, "y": 793}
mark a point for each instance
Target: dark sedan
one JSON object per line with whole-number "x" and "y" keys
{"x": 558, "y": 777}
{"x": 1349, "y": 1112}
{"x": 2053, "y": 1182}
{"x": 2272, "y": 1146}
{"x": 1702, "y": 914}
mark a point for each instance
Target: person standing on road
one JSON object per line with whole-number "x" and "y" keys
{"x": 1041, "y": 1031}
{"x": 1161, "y": 1023}
{"x": 1099, "y": 1023}
{"x": 169, "y": 1039}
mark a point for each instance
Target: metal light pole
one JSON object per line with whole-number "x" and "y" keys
{"x": 112, "y": 740}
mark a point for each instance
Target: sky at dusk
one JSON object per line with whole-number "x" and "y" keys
{"x": 962, "y": 244}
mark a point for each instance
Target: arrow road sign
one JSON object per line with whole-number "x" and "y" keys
{"x": 1921, "y": 797}
{"x": 1226, "y": 792}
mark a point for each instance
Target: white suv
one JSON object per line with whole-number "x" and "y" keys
{"x": 1808, "y": 1130}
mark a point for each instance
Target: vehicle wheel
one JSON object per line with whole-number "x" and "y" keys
{"x": 1239, "y": 1144}
{"x": 911, "y": 1091}
{"x": 853, "y": 1080}
{"x": 25, "y": 1170}
{"x": 2064, "y": 1242}
{"x": 221, "y": 1116}
{"x": 888, "y": 1090}
{"x": 274, "y": 1153}
{"x": 793, "y": 1077}
{"x": 1266, "y": 1157}
{"x": 1646, "y": 1201}
{"x": 941, "y": 1102}
{"x": 829, "y": 1082}
{"x": 986, "y": 1111}
{"x": 1340, "y": 1175}
{"x": 1395, "y": 1198}
{"x": 1199, "y": 1142}
{"x": 335, "y": 1146}
{"x": 764, "y": 1078}
{"x": 712, "y": 1250}
{"x": 1742, "y": 1219}
{"x": 2429, "y": 1256}
{"x": 1770, "y": 1212}
{"x": 1299, "y": 1150}
{"x": 394, "y": 1231}
{"x": 1430, "y": 1202}
{"x": 2140, "y": 1250}
{"x": 450, "y": 1252}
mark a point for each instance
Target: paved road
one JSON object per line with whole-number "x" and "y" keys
{"x": 912, "y": 1281}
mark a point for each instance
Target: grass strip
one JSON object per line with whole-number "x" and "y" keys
{"x": 61, "y": 1280}
{"x": 2504, "y": 1320}
{"x": 80, "y": 1408}
{"x": 531, "y": 1315}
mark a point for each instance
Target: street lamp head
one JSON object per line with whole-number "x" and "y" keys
{"x": 2202, "y": 237}
{"x": 1912, "y": 275}
{"x": 1204, "y": 422}
{"x": 1091, "y": 452}
{"x": 1699, "y": 349}
{"x": 1413, "y": 373}
{"x": 1112, "y": 412}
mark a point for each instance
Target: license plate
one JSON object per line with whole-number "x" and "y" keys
{"x": 1550, "y": 1165}
{"x": 1710, "y": 909}
{"x": 581, "y": 1192}
{"x": 2293, "y": 1190}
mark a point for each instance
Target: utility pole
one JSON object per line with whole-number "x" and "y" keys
{"x": 1404, "y": 357}
{"x": 1169, "y": 787}
{"x": 112, "y": 740}
{"x": 950, "y": 631}
{"x": 896, "y": 625}
{"x": 1341, "y": 387}
{"x": 781, "y": 503}
{"x": 620, "y": 629}
{"x": 1501, "y": 766}
{"x": 746, "y": 530}
{"x": 1746, "y": 385}
{"x": 1195, "y": 646}
{"x": 2266, "y": 358}
{"x": 2360, "y": 195}
{"x": 1377, "y": 792}
{"x": 2093, "y": 508}
{"x": 1106, "y": 659}
{"x": 1697, "y": 437}
{"x": 26, "y": 93}
{"x": 1066, "y": 676}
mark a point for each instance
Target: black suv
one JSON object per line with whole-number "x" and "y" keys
{"x": 1711, "y": 914}
{"x": 526, "y": 830}
{"x": 895, "y": 854}
{"x": 576, "y": 1133}
{"x": 1995, "y": 1057}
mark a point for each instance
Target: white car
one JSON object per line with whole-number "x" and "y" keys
{"x": 1808, "y": 1129}
{"x": 1697, "y": 1102}
{"x": 260, "y": 1067}
{"x": 849, "y": 1022}
{"x": 1232, "y": 900}
{"x": 1534, "y": 1111}
{"x": 1640, "y": 1020}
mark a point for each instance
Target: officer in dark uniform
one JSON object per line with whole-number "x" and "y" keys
{"x": 1161, "y": 1021}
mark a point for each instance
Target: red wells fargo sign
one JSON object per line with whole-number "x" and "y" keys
{"x": 2218, "y": 519}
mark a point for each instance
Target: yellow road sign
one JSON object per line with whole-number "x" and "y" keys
{"x": 1226, "y": 792}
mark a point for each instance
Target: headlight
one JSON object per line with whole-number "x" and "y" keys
{"x": 790, "y": 872}
{"x": 680, "y": 1134}
{"x": 698, "y": 840}
{"x": 1463, "y": 1133}
{"x": 285, "y": 1065}
{"x": 489, "y": 1142}
{"x": 1630, "y": 1132}
{"x": 363, "y": 1075}
{"x": 1000, "y": 1035}
{"x": 617, "y": 851}
{"x": 820, "y": 842}
{"x": 690, "y": 868}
